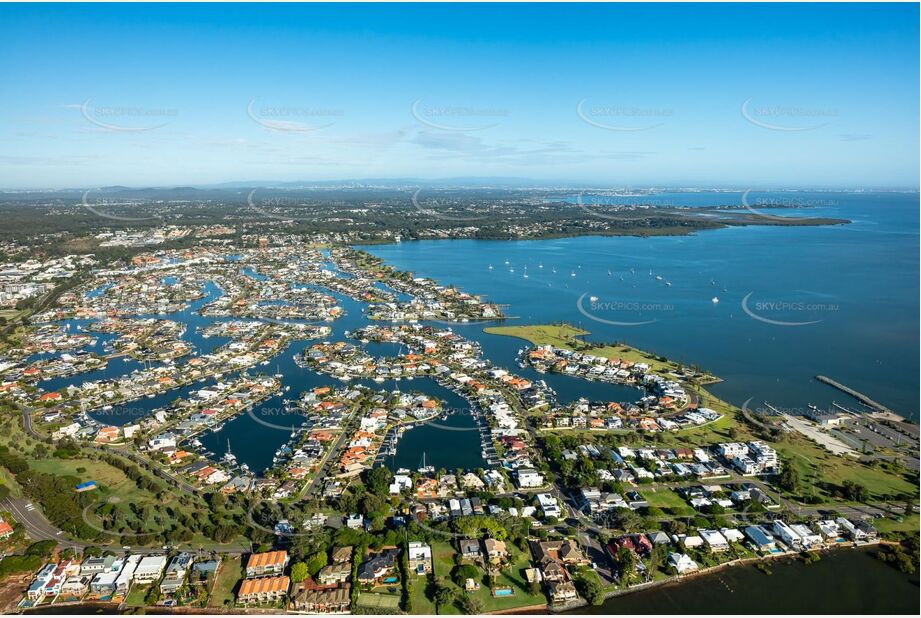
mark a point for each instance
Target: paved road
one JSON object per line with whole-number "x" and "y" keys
{"x": 322, "y": 471}
{"x": 35, "y": 523}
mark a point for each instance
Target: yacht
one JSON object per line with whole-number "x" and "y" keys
{"x": 229, "y": 457}
{"x": 715, "y": 300}
{"x": 594, "y": 299}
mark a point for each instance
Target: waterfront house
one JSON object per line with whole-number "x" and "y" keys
{"x": 314, "y": 600}
{"x": 714, "y": 540}
{"x": 76, "y": 586}
{"x": 562, "y": 592}
{"x": 682, "y": 563}
{"x": 176, "y": 573}
{"x": 760, "y": 538}
{"x": 869, "y": 532}
{"x": 36, "y": 590}
{"x": 850, "y": 530}
{"x": 787, "y": 535}
{"x": 809, "y": 539}
{"x": 149, "y": 569}
{"x": 263, "y": 589}
{"x": 829, "y": 530}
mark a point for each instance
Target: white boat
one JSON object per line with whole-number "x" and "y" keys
{"x": 594, "y": 299}
{"x": 572, "y": 274}
{"x": 715, "y": 300}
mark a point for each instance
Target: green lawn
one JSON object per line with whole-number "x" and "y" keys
{"x": 136, "y": 596}
{"x": 885, "y": 525}
{"x": 380, "y": 601}
{"x": 421, "y": 603}
{"x": 665, "y": 498}
{"x": 566, "y": 336}
{"x": 229, "y": 573}
{"x": 98, "y": 471}
{"x": 560, "y": 336}
{"x": 815, "y": 465}
{"x": 513, "y": 577}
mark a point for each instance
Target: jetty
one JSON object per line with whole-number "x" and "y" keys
{"x": 856, "y": 395}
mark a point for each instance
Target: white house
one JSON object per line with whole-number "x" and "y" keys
{"x": 149, "y": 569}
{"x": 127, "y": 575}
{"x": 529, "y": 478}
{"x": 549, "y": 505}
{"x": 714, "y": 540}
{"x": 786, "y": 534}
{"x": 809, "y": 538}
{"x": 164, "y": 440}
{"x": 829, "y": 529}
{"x": 682, "y": 563}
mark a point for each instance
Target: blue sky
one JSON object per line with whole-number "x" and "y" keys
{"x": 630, "y": 95}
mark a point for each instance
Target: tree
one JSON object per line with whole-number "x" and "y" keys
{"x": 471, "y": 605}
{"x": 444, "y": 595}
{"x": 589, "y": 586}
{"x": 626, "y": 564}
{"x": 316, "y": 562}
{"x": 378, "y": 481}
{"x": 855, "y": 491}
{"x": 462, "y": 572}
{"x": 788, "y": 479}
{"x": 299, "y": 572}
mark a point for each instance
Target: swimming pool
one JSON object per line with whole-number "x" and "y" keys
{"x": 503, "y": 592}
{"x": 391, "y": 580}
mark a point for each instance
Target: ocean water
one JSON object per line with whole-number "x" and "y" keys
{"x": 793, "y": 302}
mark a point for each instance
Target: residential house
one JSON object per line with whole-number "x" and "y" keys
{"x": 149, "y": 569}
{"x": 496, "y": 551}
{"x": 335, "y": 573}
{"x": 760, "y": 538}
{"x": 562, "y": 592}
{"x": 420, "y": 558}
{"x": 377, "y": 566}
{"x": 263, "y": 589}
{"x": 682, "y": 563}
{"x": 176, "y": 572}
{"x": 320, "y": 600}
{"x": 470, "y": 549}
{"x": 714, "y": 540}
{"x": 266, "y": 564}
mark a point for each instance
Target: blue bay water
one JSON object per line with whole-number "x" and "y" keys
{"x": 851, "y": 289}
